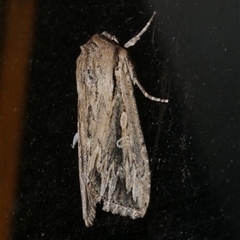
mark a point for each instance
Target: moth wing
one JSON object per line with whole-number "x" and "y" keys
{"x": 113, "y": 162}
{"x": 134, "y": 158}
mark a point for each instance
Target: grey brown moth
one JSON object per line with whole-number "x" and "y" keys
{"x": 113, "y": 160}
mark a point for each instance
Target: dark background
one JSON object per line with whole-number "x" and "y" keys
{"x": 191, "y": 54}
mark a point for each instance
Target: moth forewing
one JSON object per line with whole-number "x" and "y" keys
{"x": 113, "y": 161}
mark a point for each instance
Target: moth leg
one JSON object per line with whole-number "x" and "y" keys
{"x": 133, "y": 40}
{"x": 148, "y": 95}
{"x": 123, "y": 142}
{"x": 75, "y": 140}
{"x": 135, "y": 81}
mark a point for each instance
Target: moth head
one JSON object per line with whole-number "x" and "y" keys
{"x": 109, "y": 36}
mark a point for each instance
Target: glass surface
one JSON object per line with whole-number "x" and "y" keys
{"x": 191, "y": 53}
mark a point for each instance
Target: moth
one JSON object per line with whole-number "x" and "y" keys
{"x": 113, "y": 160}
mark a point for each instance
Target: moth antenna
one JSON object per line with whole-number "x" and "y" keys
{"x": 133, "y": 40}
